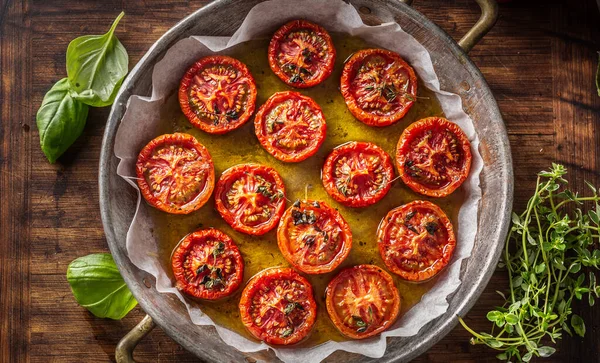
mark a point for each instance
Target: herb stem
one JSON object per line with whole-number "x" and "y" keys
{"x": 583, "y": 199}
{"x": 544, "y": 260}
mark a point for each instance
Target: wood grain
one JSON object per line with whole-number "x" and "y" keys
{"x": 539, "y": 61}
{"x": 16, "y": 137}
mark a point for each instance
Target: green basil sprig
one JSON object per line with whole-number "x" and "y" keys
{"x": 96, "y": 67}
{"x": 60, "y": 120}
{"x": 98, "y": 286}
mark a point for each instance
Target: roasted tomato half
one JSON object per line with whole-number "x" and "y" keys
{"x": 251, "y": 198}
{"x": 290, "y": 126}
{"x": 217, "y": 94}
{"x": 362, "y": 301}
{"x": 357, "y": 174}
{"x": 416, "y": 240}
{"x": 379, "y": 87}
{"x": 175, "y": 173}
{"x": 301, "y": 54}
{"x": 207, "y": 265}
{"x": 278, "y": 307}
{"x": 433, "y": 156}
{"x": 314, "y": 237}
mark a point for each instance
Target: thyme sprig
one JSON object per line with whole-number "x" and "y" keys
{"x": 548, "y": 249}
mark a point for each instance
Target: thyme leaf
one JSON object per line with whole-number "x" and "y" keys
{"x": 201, "y": 269}
{"x": 205, "y": 280}
{"x": 309, "y": 240}
{"x": 264, "y": 190}
{"x": 546, "y": 249}
{"x": 411, "y": 228}
{"x": 358, "y": 321}
{"x": 219, "y": 249}
{"x": 288, "y": 308}
{"x": 431, "y": 227}
{"x": 234, "y": 115}
{"x": 303, "y": 217}
{"x": 389, "y": 93}
{"x": 291, "y": 307}
{"x": 296, "y": 79}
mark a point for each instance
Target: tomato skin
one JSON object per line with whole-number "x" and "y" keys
{"x": 355, "y": 88}
{"x": 434, "y": 247}
{"x": 278, "y": 47}
{"x": 241, "y": 87}
{"x": 278, "y": 287}
{"x": 409, "y": 152}
{"x": 197, "y": 254}
{"x": 189, "y": 152}
{"x": 356, "y": 152}
{"x": 328, "y": 233}
{"x": 312, "y": 129}
{"x": 271, "y": 196}
{"x": 369, "y": 317}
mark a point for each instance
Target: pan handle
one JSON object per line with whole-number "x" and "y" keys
{"x": 489, "y": 15}
{"x": 124, "y": 351}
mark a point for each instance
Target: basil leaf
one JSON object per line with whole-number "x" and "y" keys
{"x": 60, "y": 120}
{"x": 96, "y": 67}
{"x": 98, "y": 286}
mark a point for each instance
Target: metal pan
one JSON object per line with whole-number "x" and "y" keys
{"x": 457, "y": 74}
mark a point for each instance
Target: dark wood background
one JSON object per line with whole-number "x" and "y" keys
{"x": 539, "y": 60}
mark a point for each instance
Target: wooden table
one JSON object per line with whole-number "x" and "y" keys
{"x": 539, "y": 61}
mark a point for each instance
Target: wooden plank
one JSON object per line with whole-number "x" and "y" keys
{"x": 15, "y": 169}
{"x": 64, "y": 197}
{"x": 514, "y": 53}
{"x": 575, "y": 41}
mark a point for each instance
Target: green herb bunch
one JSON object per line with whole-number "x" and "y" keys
{"x": 96, "y": 67}
{"x": 548, "y": 250}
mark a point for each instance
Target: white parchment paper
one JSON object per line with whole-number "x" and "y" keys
{"x": 140, "y": 122}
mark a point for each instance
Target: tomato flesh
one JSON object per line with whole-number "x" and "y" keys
{"x": 217, "y": 94}
{"x": 416, "y": 240}
{"x": 278, "y": 307}
{"x": 207, "y": 265}
{"x": 379, "y": 87}
{"x": 301, "y": 54}
{"x": 290, "y": 126}
{"x": 362, "y": 301}
{"x": 175, "y": 173}
{"x": 357, "y": 174}
{"x": 314, "y": 237}
{"x": 433, "y": 156}
{"x": 251, "y": 198}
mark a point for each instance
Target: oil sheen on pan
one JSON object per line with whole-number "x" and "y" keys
{"x": 302, "y": 181}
